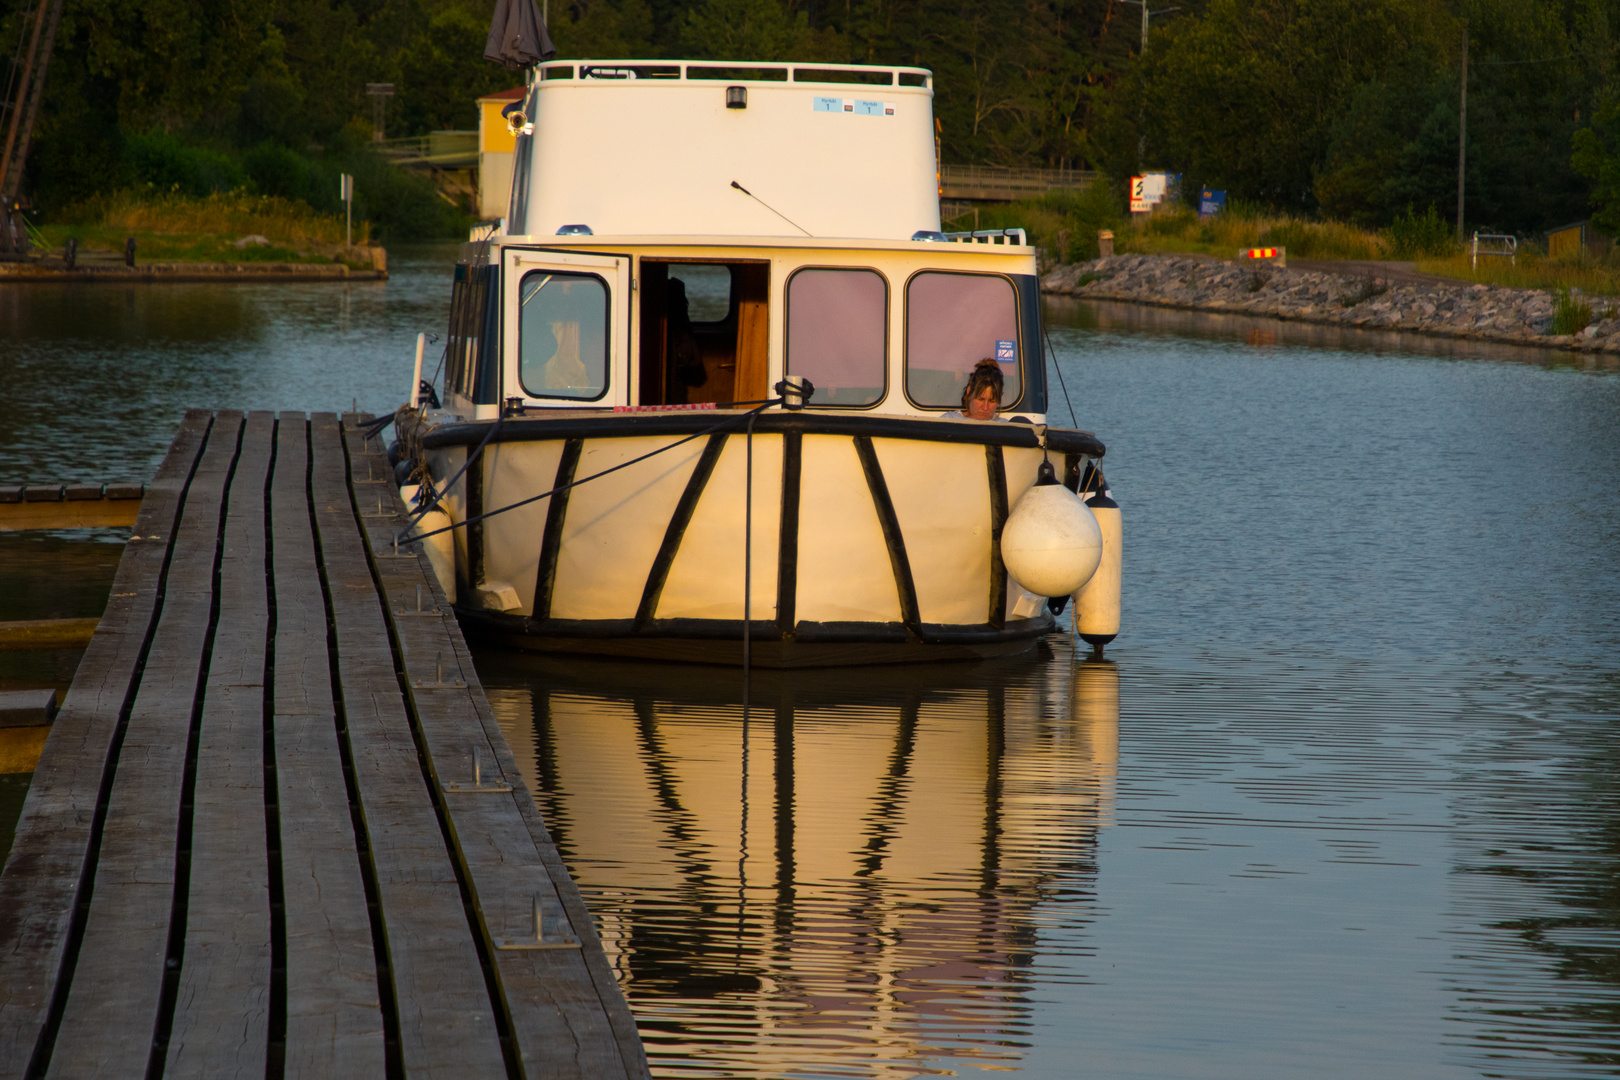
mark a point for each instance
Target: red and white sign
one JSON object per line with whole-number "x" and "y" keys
{"x": 1148, "y": 190}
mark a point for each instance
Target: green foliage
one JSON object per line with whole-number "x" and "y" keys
{"x": 1413, "y": 235}
{"x": 1596, "y": 156}
{"x": 1243, "y": 225}
{"x": 400, "y": 205}
{"x": 756, "y": 29}
{"x": 166, "y": 163}
{"x": 442, "y": 73}
{"x": 1571, "y": 314}
{"x": 1321, "y": 240}
{"x": 1307, "y": 108}
{"x": 605, "y": 29}
{"x": 1062, "y": 223}
{"x": 1247, "y": 96}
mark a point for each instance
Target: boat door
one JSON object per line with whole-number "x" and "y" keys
{"x": 567, "y": 328}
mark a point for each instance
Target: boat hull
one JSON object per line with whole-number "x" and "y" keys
{"x": 857, "y": 540}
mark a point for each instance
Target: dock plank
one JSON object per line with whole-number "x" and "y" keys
{"x": 113, "y": 1003}
{"x": 446, "y": 1019}
{"x": 54, "y": 833}
{"x": 334, "y": 1024}
{"x": 554, "y": 997}
{"x": 237, "y": 858}
{"x": 220, "y": 1024}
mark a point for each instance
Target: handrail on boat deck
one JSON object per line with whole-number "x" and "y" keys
{"x": 989, "y": 236}
{"x": 737, "y": 71}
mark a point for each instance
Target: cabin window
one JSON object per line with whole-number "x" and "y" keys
{"x": 563, "y": 335}
{"x": 953, "y": 321}
{"x": 837, "y": 334}
{"x": 468, "y": 303}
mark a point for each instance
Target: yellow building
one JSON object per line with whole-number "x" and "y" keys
{"x": 495, "y": 148}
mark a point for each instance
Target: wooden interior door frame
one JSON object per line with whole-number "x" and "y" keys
{"x": 751, "y": 285}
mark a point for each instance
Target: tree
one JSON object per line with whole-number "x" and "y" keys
{"x": 1247, "y": 97}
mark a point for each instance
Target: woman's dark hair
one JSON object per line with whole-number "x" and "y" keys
{"x": 985, "y": 373}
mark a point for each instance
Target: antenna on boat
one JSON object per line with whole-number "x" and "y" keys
{"x": 771, "y": 208}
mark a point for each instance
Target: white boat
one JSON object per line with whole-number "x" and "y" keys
{"x": 689, "y": 247}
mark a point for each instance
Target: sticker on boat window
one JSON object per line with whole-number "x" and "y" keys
{"x": 829, "y": 104}
{"x": 1006, "y": 352}
{"x": 868, "y": 108}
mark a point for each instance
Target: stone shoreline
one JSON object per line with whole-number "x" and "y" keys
{"x": 1431, "y": 306}
{"x": 187, "y": 272}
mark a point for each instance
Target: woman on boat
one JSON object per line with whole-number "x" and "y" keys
{"x": 981, "y": 397}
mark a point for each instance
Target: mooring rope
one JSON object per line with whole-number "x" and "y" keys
{"x": 1052, "y": 352}
{"x": 730, "y": 421}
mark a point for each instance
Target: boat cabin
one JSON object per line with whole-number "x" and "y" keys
{"x": 687, "y": 234}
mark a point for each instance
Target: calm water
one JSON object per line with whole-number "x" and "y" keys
{"x": 1344, "y": 802}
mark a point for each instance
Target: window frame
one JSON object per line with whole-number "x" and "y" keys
{"x": 607, "y": 336}
{"x": 1018, "y": 330}
{"x": 888, "y": 329}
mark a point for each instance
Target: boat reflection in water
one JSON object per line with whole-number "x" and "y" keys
{"x": 850, "y": 878}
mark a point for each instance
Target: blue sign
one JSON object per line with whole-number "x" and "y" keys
{"x": 1006, "y": 352}
{"x": 829, "y": 104}
{"x": 868, "y": 108}
{"x": 1211, "y": 203}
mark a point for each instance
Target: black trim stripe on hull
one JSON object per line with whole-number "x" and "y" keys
{"x": 676, "y": 532}
{"x": 545, "y": 578}
{"x": 787, "y": 543}
{"x": 475, "y": 531}
{"x": 893, "y": 539}
{"x": 996, "y": 466}
{"x": 811, "y": 644}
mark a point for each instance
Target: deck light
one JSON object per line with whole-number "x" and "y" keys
{"x": 736, "y": 97}
{"x": 575, "y": 230}
{"x": 932, "y": 236}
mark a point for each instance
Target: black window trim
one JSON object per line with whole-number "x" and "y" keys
{"x": 1018, "y": 328}
{"x": 888, "y": 314}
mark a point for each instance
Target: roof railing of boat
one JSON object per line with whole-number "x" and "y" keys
{"x": 737, "y": 71}
{"x": 988, "y": 236}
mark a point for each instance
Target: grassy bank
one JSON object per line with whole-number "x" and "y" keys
{"x": 174, "y": 227}
{"x": 1531, "y": 270}
{"x": 1065, "y": 225}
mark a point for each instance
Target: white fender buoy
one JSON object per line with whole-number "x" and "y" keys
{"x": 440, "y": 549}
{"x": 1051, "y": 543}
{"x": 1096, "y": 605}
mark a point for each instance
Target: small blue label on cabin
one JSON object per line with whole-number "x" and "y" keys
{"x": 830, "y": 104}
{"x": 868, "y": 108}
{"x": 1006, "y": 352}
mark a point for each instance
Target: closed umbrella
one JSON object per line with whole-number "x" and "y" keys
{"x": 517, "y": 36}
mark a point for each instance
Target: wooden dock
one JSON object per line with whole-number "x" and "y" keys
{"x": 250, "y": 847}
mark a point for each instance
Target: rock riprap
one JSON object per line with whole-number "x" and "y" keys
{"x": 1437, "y": 306}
